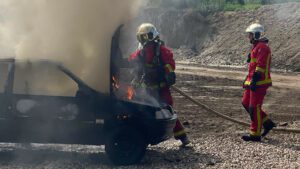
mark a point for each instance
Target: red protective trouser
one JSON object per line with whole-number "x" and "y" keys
{"x": 253, "y": 101}
{"x": 165, "y": 96}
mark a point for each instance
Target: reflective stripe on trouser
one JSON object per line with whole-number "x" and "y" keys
{"x": 253, "y": 101}
{"x": 178, "y": 130}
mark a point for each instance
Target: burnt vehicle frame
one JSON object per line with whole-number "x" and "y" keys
{"x": 125, "y": 127}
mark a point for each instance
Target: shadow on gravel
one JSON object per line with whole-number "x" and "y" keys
{"x": 48, "y": 156}
{"x": 282, "y": 144}
{"x": 182, "y": 156}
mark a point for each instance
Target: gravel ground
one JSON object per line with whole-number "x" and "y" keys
{"x": 207, "y": 151}
{"x": 216, "y": 143}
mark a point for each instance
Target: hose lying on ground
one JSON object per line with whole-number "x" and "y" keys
{"x": 227, "y": 117}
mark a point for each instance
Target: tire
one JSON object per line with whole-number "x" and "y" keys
{"x": 125, "y": 146}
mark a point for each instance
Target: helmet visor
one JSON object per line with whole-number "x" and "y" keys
{"x": 142, "y": 38}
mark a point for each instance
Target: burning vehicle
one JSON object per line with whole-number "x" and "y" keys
{"x": 81, "y": 115}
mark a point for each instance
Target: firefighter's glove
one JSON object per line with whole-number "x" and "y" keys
{"x": 255, "y": 79}
{"x": 170, "y": 78}
{"x": 249, "y": 58}
{"x": 253, "y": 86}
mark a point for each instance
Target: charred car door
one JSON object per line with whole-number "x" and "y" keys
{"x": 6, "y": 82}
{"x": 48, "y": 106}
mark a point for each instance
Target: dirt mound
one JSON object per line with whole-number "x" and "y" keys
{"x": 230, "y": 42}
{"x": 220, "y": 38}
{"x": 179, "y": 29}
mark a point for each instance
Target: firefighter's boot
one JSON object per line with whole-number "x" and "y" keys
{"x": 251, "y": 138}
{"x": 185, "y": 141}
{"x": 268, "y": 126}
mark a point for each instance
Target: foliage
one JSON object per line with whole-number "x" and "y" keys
{"x": 235, "y": 7}
{"x": 284, "y": 1}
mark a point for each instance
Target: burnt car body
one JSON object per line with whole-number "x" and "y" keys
{"x": 86, "y": 116}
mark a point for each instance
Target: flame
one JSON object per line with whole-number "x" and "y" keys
{"x": 130, "y": 92}
{"x": 115, "y": 82}
{"x": 121, "y": 89}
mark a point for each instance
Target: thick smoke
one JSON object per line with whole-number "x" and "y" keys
{"x": 75, "y": 32}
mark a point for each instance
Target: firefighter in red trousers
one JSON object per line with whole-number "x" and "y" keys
{"x": 155, "y": 70}
{"x": 256, "y": 83}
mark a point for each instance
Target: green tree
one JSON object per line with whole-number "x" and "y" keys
{"x": 242, "y": 2}
{"x": 264, "y": 2}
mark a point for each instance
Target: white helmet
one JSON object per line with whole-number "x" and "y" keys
{"x": 257, "y": 29}
{"x": 146, "y": 32}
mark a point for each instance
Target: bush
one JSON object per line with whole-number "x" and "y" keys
{"x": 242, "y": 2}
{"x": 264, "y": 2}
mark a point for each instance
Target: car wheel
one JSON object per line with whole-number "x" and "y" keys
{"x": 125, "y": 145}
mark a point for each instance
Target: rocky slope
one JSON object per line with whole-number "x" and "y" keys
{"x": 282, "y": 24}
{"x": 220, "y": 38}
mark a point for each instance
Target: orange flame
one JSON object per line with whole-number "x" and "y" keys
{"x": 130, "y": 92}
{"x": 115, "y": 83}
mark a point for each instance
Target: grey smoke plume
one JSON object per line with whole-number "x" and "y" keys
{"x": 75, "y": 32}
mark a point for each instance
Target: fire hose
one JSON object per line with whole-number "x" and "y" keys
{"x": 291, "y": 130}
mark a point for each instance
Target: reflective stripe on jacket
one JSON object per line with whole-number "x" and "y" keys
{"x": 260, "y": 62}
